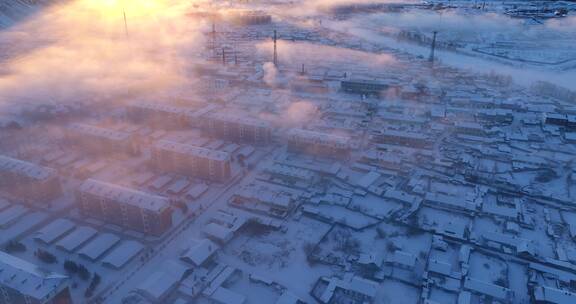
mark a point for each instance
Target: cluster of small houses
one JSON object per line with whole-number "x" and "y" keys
{"x": 197, "y": 273}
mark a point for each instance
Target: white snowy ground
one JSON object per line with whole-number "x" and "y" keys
{"x": 172, "y": 247}
{"x": 549, "y": 40}
{"x": 524, "y": 75}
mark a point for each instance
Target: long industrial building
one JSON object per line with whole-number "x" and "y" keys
{"x": 28, "y": 181}
{"x": 318, "y": 143}
{"x": 402, "y": 138}
{"x": 126, "y": 207}
{"x": 26, "y": 283}
{"x": 191, "y": 160}
{"x": 101, "y": 140}
{"x": 364, "y": 86}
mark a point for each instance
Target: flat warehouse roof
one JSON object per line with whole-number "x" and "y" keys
{"x": 11, "y": 214}
{"x": 49, "y": 233}
{"x": 122, "y": 254}
{"x": 76, "y": 238}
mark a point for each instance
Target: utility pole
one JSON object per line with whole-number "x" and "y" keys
{"x": 223, "y": 56}
{"x": 275, "y": 50}
{"x": 433, "y": 48}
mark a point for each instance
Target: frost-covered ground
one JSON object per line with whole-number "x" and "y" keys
{"x": 479, "y": 40}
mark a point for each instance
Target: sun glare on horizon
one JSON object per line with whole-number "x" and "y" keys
{"x": 133, "y": 8}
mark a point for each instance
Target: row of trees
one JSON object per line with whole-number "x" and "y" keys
{"x": 78, "y": 269}
{"x": 71, "y": 268}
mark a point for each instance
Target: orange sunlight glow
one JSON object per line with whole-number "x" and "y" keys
{"x": 137, "y": 8}
{"x": 81, "y": 50}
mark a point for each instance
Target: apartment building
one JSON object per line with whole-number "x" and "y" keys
{"x": 101, "y": 140}
{"x": 191, "y": 160}
{"x": 318, "y": 143}
{"x": 28, "y": 181}
{"x": 126, "y": 207}
{"x": 157, "y": 114}
{"x": 239, "y": 129}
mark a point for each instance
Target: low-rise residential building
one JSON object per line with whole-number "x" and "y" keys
{"x": 27, "y": 283}
{"x": 97, "y": 140}
{"x": 262, "y": 200}
{"x": 157, "y": 114}
{"x": 28, "y": 181}
{"x": 551, "y": 295}
{"x": 351, "y": 289}
{"x": 235, "y": 127}
{"x": 485, "y": 288}
{"x": 561, "y": 120}
{"x": 318, "y": 143}
{"x": 199, "y": 251}
{"x": 290, "y": 173}
{"x": 409, "y": 139}
{"x": 126, "y": 207}
{"x": 191, "y": 160}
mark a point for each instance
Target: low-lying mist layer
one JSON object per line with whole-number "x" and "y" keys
{"x": 84, "y": 50}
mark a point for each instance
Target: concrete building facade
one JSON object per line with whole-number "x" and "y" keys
{"x": 191, "y": 160}
{"x": 239, "y": 129}
{"x": 28, "y": 181}
{"x": 317, "y": 143}
{"x": 126, "y": 207}
{"x": 101, "y": 140}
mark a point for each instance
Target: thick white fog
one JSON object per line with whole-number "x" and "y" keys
{"x": 78, "y": 50}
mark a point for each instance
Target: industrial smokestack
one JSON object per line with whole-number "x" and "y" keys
{"x": 433, "y": 47}
{"x": 275, "y": 50}
{"x": 125, "y": 22}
